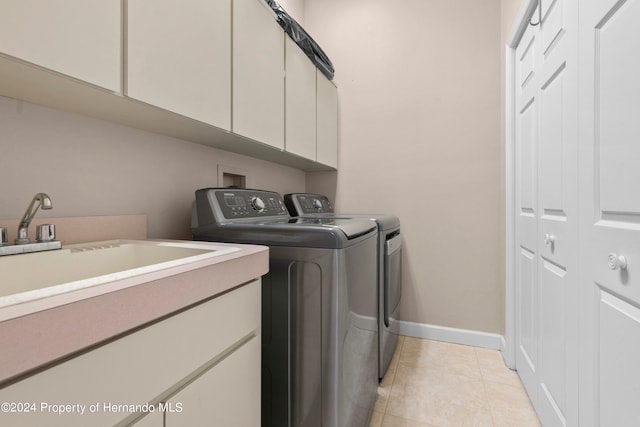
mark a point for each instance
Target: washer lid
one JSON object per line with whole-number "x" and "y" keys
{"x": 351, "y": 228}
{"x": 297, "y": 232}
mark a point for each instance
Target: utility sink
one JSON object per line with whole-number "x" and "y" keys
{"x": 32, "y": 276}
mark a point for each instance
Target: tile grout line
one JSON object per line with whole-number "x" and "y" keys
{"x": 484, "y": 387}
{"x": 393, "y": 380}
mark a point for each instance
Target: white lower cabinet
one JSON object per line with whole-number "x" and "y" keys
{"x": 197, "y": 367}
{"x": 154, "y": 419}
{"x": 217, "y": 393}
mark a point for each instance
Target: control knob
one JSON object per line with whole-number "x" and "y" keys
{"x": 257, "y": 203}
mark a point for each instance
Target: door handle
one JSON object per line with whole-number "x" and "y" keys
{"x": 549, "y": 239}
{"x": 616, "y": 261}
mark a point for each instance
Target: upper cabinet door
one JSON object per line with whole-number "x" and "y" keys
{"x": 258, "y": 73}
{"x": 327, "y": 121}
{"x": 300, "y": 96}
{"x": 179, "y": 57}
{"x": 80, "y": 38}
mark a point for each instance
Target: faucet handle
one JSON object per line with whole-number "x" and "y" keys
{"x": 45, "y": 233}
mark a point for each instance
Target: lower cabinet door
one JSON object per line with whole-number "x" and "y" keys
{"x": 226, "y": 395}
{"x": 153, "y": 419}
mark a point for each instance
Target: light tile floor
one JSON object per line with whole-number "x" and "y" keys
{"x": 437, "y": 384}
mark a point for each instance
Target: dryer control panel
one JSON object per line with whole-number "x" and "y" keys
{"x": 300, "y": 204}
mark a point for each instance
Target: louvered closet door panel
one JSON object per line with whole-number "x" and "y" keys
{"x": 610, "y": 159}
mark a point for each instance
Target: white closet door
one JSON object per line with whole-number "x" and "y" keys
{"x": 558, "y": 213}
{"x": 610, "y": 206}
{"x": 547, "y": 232}
{"x": 526, "y": 213}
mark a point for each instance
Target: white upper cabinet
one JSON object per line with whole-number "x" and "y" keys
{"x": 79, "y": 38}
{"x": 327, "y": 121}
{"x": 311, "y": 109}
{"x": 179, "y": 57}
{"x": 258, "y": 73}
{"x": 206, "y": 71}
{"x": 300, "y": 102}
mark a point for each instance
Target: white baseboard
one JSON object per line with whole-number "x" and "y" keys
{"x": 452, "y": 335}
{"x": 507, "y": 355}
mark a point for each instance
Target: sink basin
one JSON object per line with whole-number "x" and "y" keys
{"x": 26, "y": 277}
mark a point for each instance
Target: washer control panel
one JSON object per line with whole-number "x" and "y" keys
{"x": 236, "y": 204}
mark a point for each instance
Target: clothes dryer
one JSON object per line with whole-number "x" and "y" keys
{"x": 389, "y": 262}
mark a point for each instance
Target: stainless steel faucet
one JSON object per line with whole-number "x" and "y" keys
{"x": 39, "y": 200}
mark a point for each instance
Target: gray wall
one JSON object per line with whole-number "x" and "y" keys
{"x": 92, "y": 167}
{"x": 419, "y": 87}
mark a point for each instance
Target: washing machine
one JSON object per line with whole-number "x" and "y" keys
{"x": 389, "y": 262}
{"x": 319, "y": 318}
